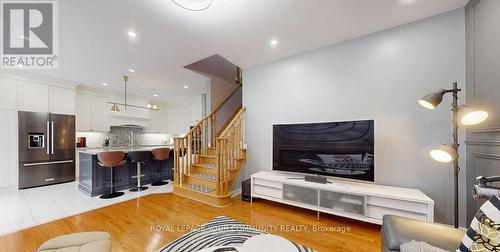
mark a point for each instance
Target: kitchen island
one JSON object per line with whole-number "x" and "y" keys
{"x": 94, "y": 179}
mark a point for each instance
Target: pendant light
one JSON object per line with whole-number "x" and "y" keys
{"x": 115, "y": 108}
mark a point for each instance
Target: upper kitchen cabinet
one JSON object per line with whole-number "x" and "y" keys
{"x": 100, "y": 113}
{"x": 33, "y": 97}
{"x": 8, "y": 94}
{"x": 91, "y": 113}
{"x": 62, "y": 100}
{"x": 83, "y": 112}
{"x": 158, "y": 122}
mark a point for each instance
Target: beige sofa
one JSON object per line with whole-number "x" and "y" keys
{"x": 78, "y": 242}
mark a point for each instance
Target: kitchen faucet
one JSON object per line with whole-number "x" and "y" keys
{"x": 131, "y": 139}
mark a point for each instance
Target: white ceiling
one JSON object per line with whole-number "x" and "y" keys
{"x": 95, "y": 47}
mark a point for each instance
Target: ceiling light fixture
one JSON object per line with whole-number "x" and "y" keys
{"x": 131, "y": 70}
{"x": 105, "y": 84}
{"x": 273, "y": 42}
{"x": 186, "y": 86}
{"x": 193, "y": 5}
{"x": 132, "y": 34}
{"x": 115, "y": 108}
{"x": 155, "y": 95}
{"x": 407, "y": 1}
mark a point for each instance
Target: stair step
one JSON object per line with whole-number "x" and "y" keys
{"x": 209, "y": 156}
{"x": 200, "y": 188}
{"x": 208, "y": 166}
{"x": 205, "y": 176}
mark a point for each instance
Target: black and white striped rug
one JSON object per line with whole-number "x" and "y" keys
{"x": 221, "y": 231}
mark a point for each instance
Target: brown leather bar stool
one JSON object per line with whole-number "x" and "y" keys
{"x": 160, "y": 154}
{"x": 139, "y": 157}
{"x": 111, "y": 159}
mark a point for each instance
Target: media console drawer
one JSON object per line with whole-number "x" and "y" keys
{"x": 377, "y": 212}
{"x": 398, "y": 204}
{"x": 268, "y": 183}
{"x": 268, "y": 191}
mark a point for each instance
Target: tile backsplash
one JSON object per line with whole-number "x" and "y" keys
{"x": 120, "y": 136}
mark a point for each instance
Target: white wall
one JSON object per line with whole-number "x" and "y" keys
{"x": 181, "y": 117}
{"x": 378, "y": 77}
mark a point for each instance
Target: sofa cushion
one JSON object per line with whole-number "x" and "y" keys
{"x": 81, "y": 242}
{"x": 419, "y": 246}
{"x": 484, "y": 231}
{"x": 398, "y": 230}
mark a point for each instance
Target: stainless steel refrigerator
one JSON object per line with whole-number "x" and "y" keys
{"x": 46, "y": 149}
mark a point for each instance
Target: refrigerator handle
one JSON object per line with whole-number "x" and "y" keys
{"x": 52, "y": 136}
{"x": 47, "y": 144}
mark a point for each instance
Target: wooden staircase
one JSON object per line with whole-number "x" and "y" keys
{"x": 207, "y": 164}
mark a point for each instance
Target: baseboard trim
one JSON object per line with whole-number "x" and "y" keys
{"x": 236, "y": 192}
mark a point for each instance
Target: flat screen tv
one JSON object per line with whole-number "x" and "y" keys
{"x": 337, "y": 149}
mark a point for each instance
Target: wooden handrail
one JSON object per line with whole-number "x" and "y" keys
{"x": 226, "y": 98}
{"x": 230, "y": 125}
{"x": 214, "y": 111}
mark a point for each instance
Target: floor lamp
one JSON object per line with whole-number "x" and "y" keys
{"x": 464, "y": 115}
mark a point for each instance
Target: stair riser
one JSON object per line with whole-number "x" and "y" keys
{"x": 197, "y": 169}
{"x": 212, "y": 151}
{"x": 200, "y": 181}
{"x": 214, "y": 201}
{"x": 207, "y": 160}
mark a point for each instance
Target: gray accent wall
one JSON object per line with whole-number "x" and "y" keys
{"x": 483, "y": 83}
{"x": 380, "y": 77}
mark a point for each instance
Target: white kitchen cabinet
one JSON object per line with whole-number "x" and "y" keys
{"x": 99, "y": 114}
{"x": 83, "y": 112}
{"x": 33, "y": 97}
{"x": 62, "y": 100}
{"x": 8, "y": 149}
{"x": 91, "y": 113}
{"x": 158, "y": 122}
{"x": 8, "y": 93}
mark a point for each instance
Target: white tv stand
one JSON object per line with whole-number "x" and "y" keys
{"x": 356, "y": 200}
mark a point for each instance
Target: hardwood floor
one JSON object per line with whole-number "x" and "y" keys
{"x": 150, "y": 222}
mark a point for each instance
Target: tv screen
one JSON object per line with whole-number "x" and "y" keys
{"x": 339, "y": 149}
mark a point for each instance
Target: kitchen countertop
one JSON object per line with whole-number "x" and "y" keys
{"x": 95, "y": 150}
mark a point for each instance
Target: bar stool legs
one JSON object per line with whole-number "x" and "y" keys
{"x": 159, "y": 182}
{"x": 139, "y": 186}
{"x": 112, "y": 193}
{"x": 160, "y": 154}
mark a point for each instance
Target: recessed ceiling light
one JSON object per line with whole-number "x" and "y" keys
{"x": 131, "y": 70}
{"x": 155, "y": 95}
{"x": 132, "y": 34}
{"x": 186, "y": 86}
{"x": 273, "y": 42}
{"x": 407, "y": 1}
{"x": 105, "y": 84}
{"x": 193, "y": 5}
